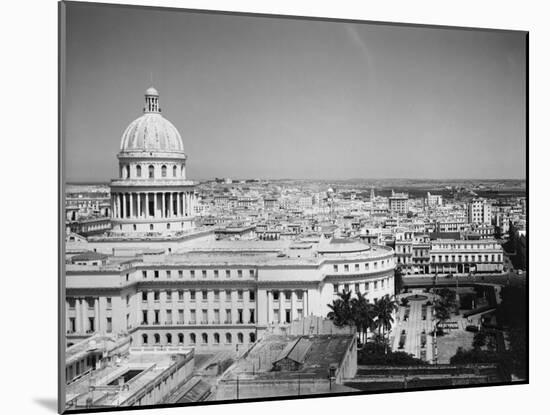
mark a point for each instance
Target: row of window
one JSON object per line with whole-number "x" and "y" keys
{"x": 125, "y": 171}
{"x": 466, "y": 246}
{"x": 357, "y": 267}
{"x": 216, "y": 317}
{"x": 202, "y": 295}
{"x": 362, "y": 287}
{"x": 192, "y": 338}
{"x": 468, "y": 258}
{"x": 194, "y": 273}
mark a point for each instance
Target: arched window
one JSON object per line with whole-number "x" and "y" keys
{"x": 228, "y": 338}
{"x": 151, "y": 172}
{"x": 252, "y": 337}
{"x": 151, "y": 227}
{"x": 135, "y": 227}
{"x": 145, "y": 339}
{"x": 168, "y": 338}
{"x": 240, "y": 337}
{"x": 138, "y": 171}
{"x": 157, "y": 338}
{"x": 167, "y": 226}
{"x": 193, "y": 338}
{"x": 163, "y": 171}
{"x": 204, "y": 338}
{"x": 174, "y": 171}
{"x": 216, "y": 338}
{"x": 180, "y": 338}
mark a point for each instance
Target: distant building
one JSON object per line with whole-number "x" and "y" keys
{"x": 449, "y": 256}
{"x": 398, "y": 203}
{"x": 434, "y": 200}
{"x": 479, "y": 211}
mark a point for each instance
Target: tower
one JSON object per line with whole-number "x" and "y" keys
{"x": 152, "y": 193}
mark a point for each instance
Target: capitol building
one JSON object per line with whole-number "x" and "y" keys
{"x": 158, "y": 279}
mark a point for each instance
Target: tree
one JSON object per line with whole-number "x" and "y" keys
{"x": 341, "y": 313}
{"x": 398, "y": 280}
{"x": 384, "y": 309}
{"x": 363, "y": 315}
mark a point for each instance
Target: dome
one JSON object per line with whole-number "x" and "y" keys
{"x": 151, "y": 132}
{"x": 151, "y": 91}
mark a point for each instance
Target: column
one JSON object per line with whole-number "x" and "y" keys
{"x": 186, "y": 204}
{"x": 281, "y": 307}
{"x": 78, "y": 317}
{"x": 147, "y": 204}
{"x": 171, "y": 201}
{"x": 305, "y": 308}
{"x": 96, "y": 315}
{"x": 131, "y": 203}
{"x": 138, "y": 205}
{"x": 293, "y": 305}
{"x": 178, "y": 204}
{"x": 155, "y": 205}
{"x": 163, "y": 211}
{"x": 124, "y": 205}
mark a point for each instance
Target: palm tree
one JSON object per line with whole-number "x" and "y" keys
{"x": 384, "y": 309}
{"x": 341, "y": 312}
{"x": 363, "y": 315}
{"x": 398, "y": 280}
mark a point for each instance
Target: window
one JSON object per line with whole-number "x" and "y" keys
{"x": 144, "y": 296}
{"x": 192, "y": 273}
{"x": 91, "y": 324}
{"x": 174, "y": 171}
{"x": 180, "y": 338}
{"x": 252, "y": 337}
{"x": 335, "y": 288}
{"x": 216, "y": 295}
{"x": 180, "y": 295}
{"x": 168, "y": 338}
{"x": 156, "y": 296}
{"x": 228, "y": 273}
{"x": 240, "y": 295}
{"x": 227, "y": 295}
{"x": 216, "y": 316}
{"x": 367, "y": 266}
{"x": 204, "y": 273}
{"x": 163, "y": 171}
{"x": 192, "y": 295}
{"x": 180, "y": 274}
{"x": 180, "y": 316}
{"x": 251, "y": 314}
{"x": 228, "y": 319}
{"x": 144, "y": 318}
{"x": 151, "y": 227}
{"x": 335, "y": 268}
{"x": 240, "y": 273}
{"x": 356, "y": 288}
{"x": 346, "y": 268}
{"x": 375, "y": 285}
{"x": 156, "y": 273}
{"x": 109, "y": 303}
{"x": 240, "y": 338}
{"x": 228, "y": 338}
{"x": 151, "y": 172}
{"x": 157, "y": 316}
{"x": 72, "y": 325}
{"x": 204, "y": 317}
{"x": 204, "y": 338}
{"x": 192, "y": 338}
{"x": 168, "y": 296}
{"x": 356, "y": 267}
{"x": 216, "y": 338}
{"x": 144, "y": 339}
{"x": 168, "y": 274}
{"x": 204, "y": 295}
{"x": 251, "y": 273}
{"x": 275, "y": 295}
{"x": 109, "y": 324}
{"x": 157, "y": 338}
{"x": 144, "y": 274}
{"x": 193, "y": 318}
{"x": 252, "y": 295}
{"x": 240, "y": 316}
{"x": 216, "y": 273}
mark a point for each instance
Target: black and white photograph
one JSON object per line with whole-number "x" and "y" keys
{"x": 265, "y": 207}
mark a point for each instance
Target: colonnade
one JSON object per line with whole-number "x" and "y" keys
{"x": 137, "y": 205}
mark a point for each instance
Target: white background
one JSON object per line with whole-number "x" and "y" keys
{"x": 28, "y": 162}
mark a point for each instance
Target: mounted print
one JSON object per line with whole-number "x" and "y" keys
{"x": 276, "y": 207}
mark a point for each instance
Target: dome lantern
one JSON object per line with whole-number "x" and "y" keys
{"x": 151, "y": 100}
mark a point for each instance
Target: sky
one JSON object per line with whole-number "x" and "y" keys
{"x": 264, "y": 97}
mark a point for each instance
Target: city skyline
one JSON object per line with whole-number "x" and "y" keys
{"x": 326, "y": 100}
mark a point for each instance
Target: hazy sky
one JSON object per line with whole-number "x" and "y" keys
{"x": 259, "y": 97}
